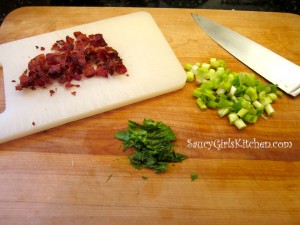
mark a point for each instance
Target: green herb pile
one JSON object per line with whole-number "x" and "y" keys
{"x": 152, "y": 143}
{"x": 241, "y": 96}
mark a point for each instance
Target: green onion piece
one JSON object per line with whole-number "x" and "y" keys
{"x": 236, "y": 106}
{"x": 239, "y": 123}
{"x": 197, "y": 93}
{"x": 269, "y": 109}
{"x": 224, "y": 103}
{"x": 194, "y": 69}
{"x": 250, "y": 118}
{"x": 232, "y": 90}
{"x": 252, "y": 111}
{"x": 200, "y": 77}
{"x": 234, "y": 99}
{"x": 212, "y": 104}
{"x": 190, "y": 76}
{"x": 257, "y": 104}
{"x": 273, "y": 96}
{"x": 201, "y": 104}
{"x": 220, "y": 91}
{"x": 209, "y": 94}
{"x": 262, "y": 95}
{"x": 220, "y": 70}
{"x": 268, "y": 89}
{"x": 215, "y": 63}
{"x": 223, "y": 111}
{"x": 232, "y": 118}
{"x": 279, "y": 93}
{"x": 205, "y": 66}
{"x": 252, "y": 93}
{"x": 242, "y": 112}
{"x": 188, "y": 66}
{"x": 247, "y": 97}
{"x": 265, "y": 101}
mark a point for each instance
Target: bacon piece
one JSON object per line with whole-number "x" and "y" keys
{"x": 56, "y": 58}
{"x": 97, "y": 40}
{"x": 120, "y": 69}
{"x": 69, "y": 85}
{"x": 38, "y": 63}
{"x": 25, "y": 82}
{"x": 89, "y": 72}
{"x": 101, "y": 71}
{"x": 52, "y": 92}
{"x": 72, "y": 59}
{"x": 81, "y": 40}
{"x": 55, "y": 69}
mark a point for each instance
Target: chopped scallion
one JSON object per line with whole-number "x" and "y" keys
{"x": 269, "y": 109}
{"x": 242, "y": 112}
{"x": 223, "y": 111}
{"x": 257, "y": 104}
{"x": 201, "y": 104}
{"x": 240, "y": 95}
{"x": 240, "y": 124}
{"x": 232, "y": 118}
{"x": 190, "y": 76}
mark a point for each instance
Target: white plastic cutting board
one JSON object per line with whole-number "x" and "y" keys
{"x": 152, "y": 67}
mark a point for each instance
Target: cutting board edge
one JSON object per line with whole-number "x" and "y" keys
{"x": 37, "y": 128}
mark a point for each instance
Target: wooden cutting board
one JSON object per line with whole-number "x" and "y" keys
{"x": 77, "y": 173}
{"x": 153, "y": 69}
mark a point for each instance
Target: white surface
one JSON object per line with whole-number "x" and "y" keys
{"x": 152, "y": 67}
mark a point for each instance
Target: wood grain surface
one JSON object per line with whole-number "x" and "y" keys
{"x": 78, "y": 174}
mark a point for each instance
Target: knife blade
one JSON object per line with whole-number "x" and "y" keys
{"x": 263, "y": 61}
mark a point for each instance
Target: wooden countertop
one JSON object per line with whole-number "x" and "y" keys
{"x": 78, "y": 174}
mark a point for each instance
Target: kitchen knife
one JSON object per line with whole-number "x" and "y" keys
{"x": 268, "y": 64}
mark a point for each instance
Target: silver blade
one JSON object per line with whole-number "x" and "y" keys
{"x": 268, "y": 64}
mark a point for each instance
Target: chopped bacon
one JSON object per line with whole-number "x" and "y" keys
{"x": 81, "y": 40}
{"x": 72, "y": 59}
{"x": 69, "y": 85}
{"x": 120, "y": 69}
{"x": 52, "y": 92}
{"x": 38, "y": 63}
{"x": 97, "y": 40}
{"x": 89, "y": 72}
{"x": 101, "y": 71}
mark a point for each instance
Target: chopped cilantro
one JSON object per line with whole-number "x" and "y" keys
{"x": 194, "y": 176}
{"x": 152, "y": 142}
